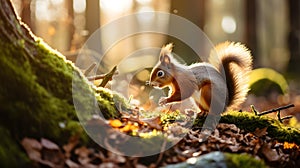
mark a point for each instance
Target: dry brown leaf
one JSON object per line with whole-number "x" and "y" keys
{"x": 260, "y": 132}
{"x": 84, "y": 160}
{"x": 116, "y": 158}
{"x": 108, "y": 165}
{"x": 73, "y": 141}
{"x": 270, "y": 154}
{"x": 140, "y": 166}
{"x": 234, "y": 148}
{"x": 82, "y": 152}
{"x": 48, "y": 144}
{"x": 53, "y": 156}
{"x": 33, "y": 148}
{"x": 154, "y": 123}
{"x": 71, "y": 164}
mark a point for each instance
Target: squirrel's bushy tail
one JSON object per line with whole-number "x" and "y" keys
{"x": 236, "y": 61}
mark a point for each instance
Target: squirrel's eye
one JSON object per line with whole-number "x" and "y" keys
{"x": 160, "y": 73}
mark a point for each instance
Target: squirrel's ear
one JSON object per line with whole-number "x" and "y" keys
{"x": 165, "y": 60}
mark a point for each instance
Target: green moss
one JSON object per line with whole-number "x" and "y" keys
{"x": 250, "y": 122}
{"x": 243, "y": 161}
{"x": 110, "y": 103}
{"x": 30, "y": 107}
{"x": 175, "y": 116}
{"x": 37, "y": 94}
{"x": 146, "y": 146}
{"x": 199, "y": 121}
{"x": 10, "y": 153}
{"x": 40, "y": 90}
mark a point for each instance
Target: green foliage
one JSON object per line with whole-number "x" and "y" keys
{"x": 264, "y": 78}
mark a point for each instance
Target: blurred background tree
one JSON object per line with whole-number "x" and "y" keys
{"x": 270, "y": 28}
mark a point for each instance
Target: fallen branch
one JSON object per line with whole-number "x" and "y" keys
{"x": 257, "y": 113}
{"x": 276, "y": 109}
{"x": 106, "y": 77}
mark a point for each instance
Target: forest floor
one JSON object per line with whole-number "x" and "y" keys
{"x": 226, "y": 137}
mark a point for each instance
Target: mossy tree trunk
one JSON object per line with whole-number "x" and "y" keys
{"x": 35, "y": 90}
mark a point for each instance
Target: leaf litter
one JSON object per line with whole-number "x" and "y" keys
{"x": 225, "y": 138}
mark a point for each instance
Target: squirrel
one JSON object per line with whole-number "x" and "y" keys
{"x": 221, "y": 83}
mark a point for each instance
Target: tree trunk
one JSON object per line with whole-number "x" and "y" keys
{"x": 36, "y": 98}
{"x": 294, "y": 38}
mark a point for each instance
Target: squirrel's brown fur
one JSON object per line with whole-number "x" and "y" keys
{"x": 232, "y": 60}
{"x": 236, "y": 62}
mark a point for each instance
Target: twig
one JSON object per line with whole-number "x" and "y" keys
{"x": 272, "y": 111}
{"x": 102, "y": 76}
{"x": 276, "y": 109}
{"x": 253, "y": 109}
{"x": 278, "y": 116}
{"x": 108, "y": 77}
{"x": 96, "y": 77}
{"x": 286, "y": 117}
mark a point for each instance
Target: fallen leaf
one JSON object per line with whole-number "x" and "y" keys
{"x": 51, "y": 153}
{"x": 234, "y": 148}
{"x": 33, "y": 148}
{"x": 108, "y": 165}
{"x": 260, "y": 132}
{"x": 270, "y": 154}
{"x": 48, "y": 144}
{"x": 140, "y": 166}
{"x": 72, "y": 164}
{"x": 287, "y": 145}
{"x": 116, "y": 158}
{"x": 56, "y": 157}
{"x": 73, "y": 141}
{"x": 154, "y": 123}
{"x": 82, "y": 152}
{"x": 115, "y": 123}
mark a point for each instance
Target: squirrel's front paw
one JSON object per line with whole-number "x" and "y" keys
{"x": 163, "y": 101}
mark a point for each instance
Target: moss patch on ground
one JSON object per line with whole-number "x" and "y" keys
{"x": 250, "y": 122}
{"x": 243, "y": 161}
